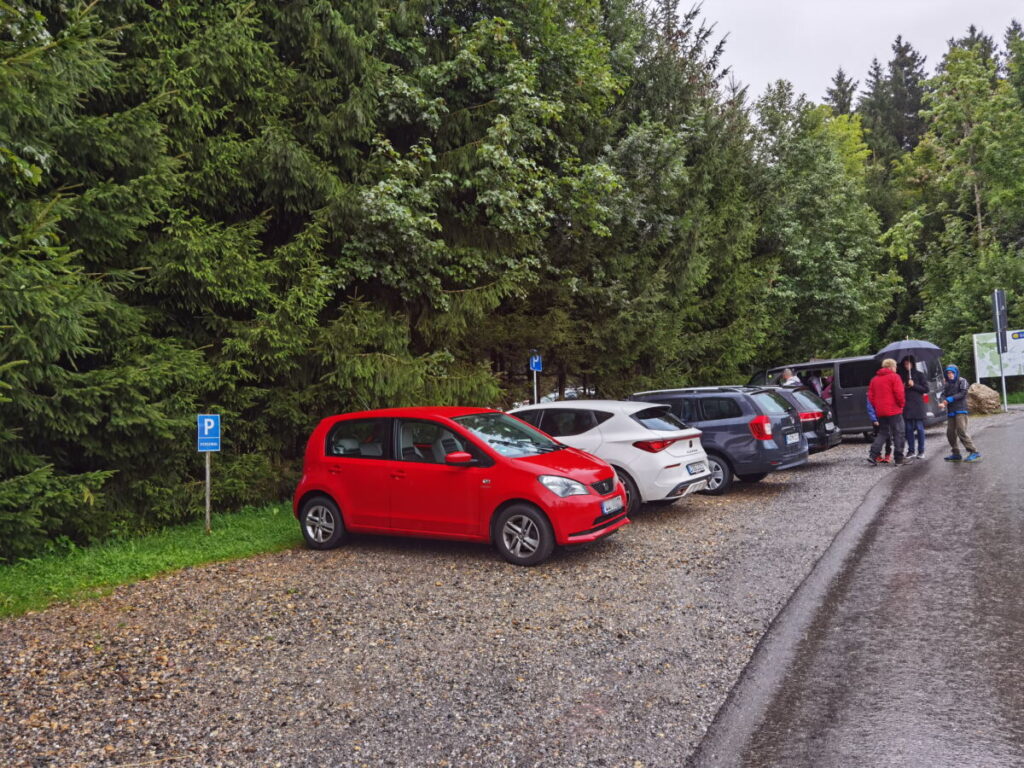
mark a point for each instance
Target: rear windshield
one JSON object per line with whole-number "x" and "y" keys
{"x": 769, "y": 402}
{"x": 809, "y": 401}
{"x": 659, "y": 419}
{"x": 508, "y": 436}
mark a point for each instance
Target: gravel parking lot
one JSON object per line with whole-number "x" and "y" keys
{"x": 393, "y": 652}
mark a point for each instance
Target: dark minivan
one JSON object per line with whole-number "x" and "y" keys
{"x": 747, "y": 431}
{"x": 843, "y": 383}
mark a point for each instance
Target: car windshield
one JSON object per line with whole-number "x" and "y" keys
{"x": 809, "y": 401}
{"x": 659, "y": 418}
{"x": 771, "y": 403}
{"x": 508, "y": 436}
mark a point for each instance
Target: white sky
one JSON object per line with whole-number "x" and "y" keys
{"x": 805, "y": 41}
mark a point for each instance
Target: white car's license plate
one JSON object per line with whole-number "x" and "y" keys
{"x": 696, "y": 468}
{"x": 829, "y": 426}
{"x": 793, "y": 438}
{"x": 611, "y": 505}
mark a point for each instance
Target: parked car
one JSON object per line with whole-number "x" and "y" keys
{"x": 815, "y": 418}
{"x": 747, "y": 432}
{"x": 453, "y": 473}
{"x": 844, "y": 382}
{"x": 658, "y": 458}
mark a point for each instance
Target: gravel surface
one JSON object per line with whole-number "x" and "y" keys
{"x": 398, "y": 652}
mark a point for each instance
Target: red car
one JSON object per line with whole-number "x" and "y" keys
{"x": 455, "y": 473}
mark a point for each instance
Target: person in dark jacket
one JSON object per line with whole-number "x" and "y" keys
{"x": 954, "y": 393}
{"x": 888, "y": 396}
{"x": 886, "y": 457}
{"x": 915, "y": 387}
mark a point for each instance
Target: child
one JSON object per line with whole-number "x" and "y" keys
{"x": 954, "y": 393}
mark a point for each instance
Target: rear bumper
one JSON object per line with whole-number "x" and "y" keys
{"x": 816, "y": 443}
{"x": 689, "y": 486}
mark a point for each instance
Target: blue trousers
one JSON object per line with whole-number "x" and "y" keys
{"x": 915, "y": 428}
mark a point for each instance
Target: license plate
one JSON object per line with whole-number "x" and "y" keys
{"x": 829, "y": 426}
{"x": 793, "y": 438}
{"x": 611, "y": 505}
{"x": 696, "y": 468}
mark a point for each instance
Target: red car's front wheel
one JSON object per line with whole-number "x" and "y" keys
{"x": 523, "y": 535}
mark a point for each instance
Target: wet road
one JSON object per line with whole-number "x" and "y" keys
{"x": 914, "y": 656}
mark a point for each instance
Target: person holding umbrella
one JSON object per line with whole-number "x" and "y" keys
{"x": 914, "y": 411}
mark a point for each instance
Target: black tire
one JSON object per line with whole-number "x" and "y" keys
{"x": 523, "y": 535}
{"x": 632, "y": 492}
{"x": 721, "y": 476}
{"x": 755, "y": 478}
{"x": 321, "y": 523}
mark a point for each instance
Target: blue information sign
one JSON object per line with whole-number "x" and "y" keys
{"x": 535, "y": 363}
{"x": 208, "y": 425}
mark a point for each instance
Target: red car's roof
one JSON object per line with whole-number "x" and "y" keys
{"x": 425, "y": 411}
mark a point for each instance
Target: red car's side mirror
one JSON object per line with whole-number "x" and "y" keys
{"x": 459, "y": 459}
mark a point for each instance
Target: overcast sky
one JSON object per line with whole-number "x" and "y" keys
{"x": 805, "y": 41}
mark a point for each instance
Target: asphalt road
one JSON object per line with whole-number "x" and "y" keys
{"x": 910, "y": 651}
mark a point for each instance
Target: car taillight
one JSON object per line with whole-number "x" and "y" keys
{"x": 926, "y": 398}
{"x": 653, "y": 446}
{"x": 761, "y": 427}
{"x": 811, "y": 415}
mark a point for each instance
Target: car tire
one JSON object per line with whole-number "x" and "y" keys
{"x": 755, "y": 478}
{"x": 633, "y": 499}
{"x": 523, "y": 535}
{"x": 321, "y": 523}
{"x": 721, "y": 476}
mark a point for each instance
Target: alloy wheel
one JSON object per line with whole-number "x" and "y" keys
{"x": 320, "y": 523}
{"x": 521, "y": 536}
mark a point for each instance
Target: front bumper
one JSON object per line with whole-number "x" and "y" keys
{"x": 579, "y": 519}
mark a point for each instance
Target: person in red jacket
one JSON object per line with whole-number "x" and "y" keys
{"x": 888, "y": 396}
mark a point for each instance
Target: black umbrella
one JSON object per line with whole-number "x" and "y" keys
{"x": 923, "y": 351}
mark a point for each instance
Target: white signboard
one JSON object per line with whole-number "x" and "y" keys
{"x": 986, "y": 357}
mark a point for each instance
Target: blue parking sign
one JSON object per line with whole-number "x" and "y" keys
{"x": 208, "y": 432}
{"x": 536, "y": 364}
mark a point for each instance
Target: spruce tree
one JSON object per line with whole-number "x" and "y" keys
{"x": 840, "y": 95}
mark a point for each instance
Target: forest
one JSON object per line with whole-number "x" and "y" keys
{"x": 277, "y": 211}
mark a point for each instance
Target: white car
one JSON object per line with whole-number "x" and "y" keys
{"x": 657, "y": 457}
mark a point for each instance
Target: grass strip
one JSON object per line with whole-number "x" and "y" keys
{"x": 94, "y": 571}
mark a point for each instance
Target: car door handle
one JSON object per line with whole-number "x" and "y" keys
{"x": 398, "y": 475}
{"x": 848, "y": 394}
{"x": 334, "y": 471}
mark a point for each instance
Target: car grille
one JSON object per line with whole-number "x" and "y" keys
{"x": 604, "y": 487}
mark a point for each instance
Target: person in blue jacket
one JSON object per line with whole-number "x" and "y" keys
{"x": 954, "y": 394}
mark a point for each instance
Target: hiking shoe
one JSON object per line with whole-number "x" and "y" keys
{"x": 954, "y": 457}
{"x": 910, "y": 455}
{"x": 899, "y": 461}
{"x": 873, "y": 461}
{"x": 973, "y": 457}
{"x": 920, "y": 455}
{"x": 884, "y": 459}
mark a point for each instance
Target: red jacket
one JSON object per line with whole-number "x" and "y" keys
{"x": 887, "y": 393}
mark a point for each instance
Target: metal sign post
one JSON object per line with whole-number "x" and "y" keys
{"x": 1000, "y": 321}
{"x": 536, "y": 365}
{"x": 208, "y": 441}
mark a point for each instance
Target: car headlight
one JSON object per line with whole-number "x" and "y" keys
{"x": 563, "y": 486}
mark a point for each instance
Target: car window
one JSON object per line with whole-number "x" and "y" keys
{"x": 530, "y": 417}
{"x": 685, "y": 409}
{"x": 856, "y": 373}
{"x": 772, "y": 403}
{"x": 564, "y": 422}
{"x": 427, "y": 442}
{"x": 658, "y": 418}
{"x": 761, "y": 377}
{"x": 508, "y": 436}
{"x": 809, "y": 401}
{"x": 717, "y": 408}
{"x": 359, "y": 439}
{"x": 601, "y": 416}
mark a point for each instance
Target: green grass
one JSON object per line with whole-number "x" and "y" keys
{"x": 94, "y": 571}
{"x": 1015, "y": 398}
